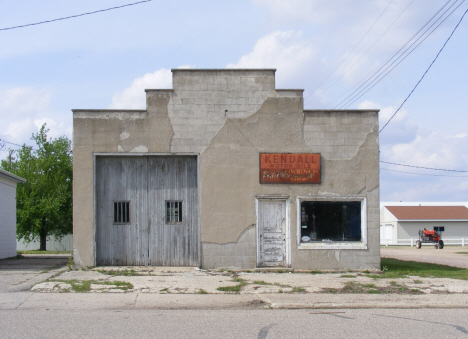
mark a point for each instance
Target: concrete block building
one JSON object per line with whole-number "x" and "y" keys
{"x": 226, "y": 171}
{"x": 8, "y": 182}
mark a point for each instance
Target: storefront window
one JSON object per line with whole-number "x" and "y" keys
{"x": 327, "y": 221}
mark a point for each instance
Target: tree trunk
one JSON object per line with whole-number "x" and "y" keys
{"x": 43, "y": 236}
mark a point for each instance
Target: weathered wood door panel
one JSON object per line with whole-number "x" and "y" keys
{"x": 272, "y": 233}
{"x": 147, "y": 183}
{"x": 121, "y": 179}
{"x": 173, "y": 179}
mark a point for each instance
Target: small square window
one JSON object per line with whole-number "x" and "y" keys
{"x": 173, "y": 212}
{"x": 121, "y": 212}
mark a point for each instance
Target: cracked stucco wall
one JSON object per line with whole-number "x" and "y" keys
{"x": 230, "y": 182}
{"x": 241, "y": 253}
{"x": 228, "y": 117}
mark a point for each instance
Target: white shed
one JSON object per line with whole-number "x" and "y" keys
{"x": 8, "y": 183}
{"x": 400, "y": 224}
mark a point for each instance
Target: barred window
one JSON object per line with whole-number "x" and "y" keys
{"x": 173, "y": 211}
{"x": 121, "y": 212}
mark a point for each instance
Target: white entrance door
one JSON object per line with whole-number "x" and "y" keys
{"x": 272, "y": 250}
{"x": 386, "y": 234}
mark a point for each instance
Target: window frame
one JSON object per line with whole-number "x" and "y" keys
{"x": 330, "y": 245}
{"x": 181, "y": 211}
{"x": 127, "y": 202}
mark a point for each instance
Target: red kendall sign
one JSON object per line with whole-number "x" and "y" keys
{"x": 284, "y": 168}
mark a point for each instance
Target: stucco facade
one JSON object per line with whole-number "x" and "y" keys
{"x": 226, "y": 118}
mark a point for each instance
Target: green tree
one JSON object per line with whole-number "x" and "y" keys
{"x": 44, "y": 202}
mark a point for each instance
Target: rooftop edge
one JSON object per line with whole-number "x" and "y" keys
{"x": 11, "y": 176}
{"x": 109, "y": 110}
{"x": 340, "y": 110}
{"x": 222, "y": 69}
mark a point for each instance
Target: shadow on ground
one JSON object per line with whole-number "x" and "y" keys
{"x": 21, "y": 273}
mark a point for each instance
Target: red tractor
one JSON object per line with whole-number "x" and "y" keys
{"x": 432, "y": 237}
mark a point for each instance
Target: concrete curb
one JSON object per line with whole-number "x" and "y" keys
{"x": 112, "y": 301}
{"x": 353, "y": 301}
{"x": 365, "y": 306}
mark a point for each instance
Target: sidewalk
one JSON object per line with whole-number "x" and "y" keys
{"x": 139, "y": 300}
{"x": 193, "y": 288}
{"x": 30, "y": 283}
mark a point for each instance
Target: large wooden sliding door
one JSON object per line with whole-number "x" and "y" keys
{"x": 147, "y": 210}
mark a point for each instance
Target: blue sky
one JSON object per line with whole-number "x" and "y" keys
{"x": 105, "y": 60}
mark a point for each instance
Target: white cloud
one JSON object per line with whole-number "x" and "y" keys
{"x": 310, "y": 11}
{"x": 444, "y": 189}
{"x": 18, "y": 131}
{"x": 22, "y": 100}
{"x": 188, "y": 66}
{"x": 357, "y": 37}
{"x": 133, "y": 97}
{"x": 400, "y": 129}
{"x": 461, "y": 135}
{"x": 429, "y": 149}
{"x": 351, "y": 20}
{"x": 402, "y": 142}
{"x": 19, "y": 107}
{"x": 432, "y": 149}
{"x": 286, "y": 51}
{"x": 24, "y": 110}
{"x": 56, "y": 128}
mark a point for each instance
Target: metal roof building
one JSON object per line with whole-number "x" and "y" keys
{"x": 400, "y": 223}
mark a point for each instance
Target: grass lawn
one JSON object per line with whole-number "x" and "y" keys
{"x": 394, "y": 268}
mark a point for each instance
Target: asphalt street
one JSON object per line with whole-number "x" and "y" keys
{"x": 121, "y": 323}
